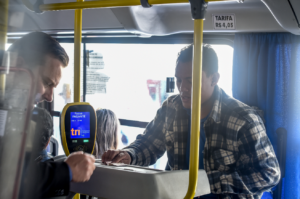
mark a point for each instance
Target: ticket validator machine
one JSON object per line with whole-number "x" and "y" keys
{"x": 78, "y": 133}
{"x": 78, "y": 127}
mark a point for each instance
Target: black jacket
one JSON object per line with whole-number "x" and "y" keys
{"x": 45, "y": 179}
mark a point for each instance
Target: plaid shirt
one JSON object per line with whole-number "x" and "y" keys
{"x": 238, "y": 156}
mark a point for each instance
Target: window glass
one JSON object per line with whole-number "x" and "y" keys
{"x": 225, "y": 58}
{"x": 7, "y": 45}
{"x": 64, "y": 92}
{"x": 134, "y": 83}
{"x": 130, "y": 79}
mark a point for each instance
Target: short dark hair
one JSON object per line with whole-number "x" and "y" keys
{"x": 209, "y": 58}
{"x": 107, "y": 132}
{"x": 44, "y": 126}
{"x": 34, "y": 46}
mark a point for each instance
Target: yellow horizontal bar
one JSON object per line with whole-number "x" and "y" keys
{"x": 108, "y": 4}
{"x": 103, "y": 4}
{"x": 219, "y": 0}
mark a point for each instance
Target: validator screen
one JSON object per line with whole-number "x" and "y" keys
{"x": 80, "y": 125}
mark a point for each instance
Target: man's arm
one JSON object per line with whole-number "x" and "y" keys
{"x": 53, "y": 178}
{"x": 257, "y": 169}
{"x": 148, "y": 147}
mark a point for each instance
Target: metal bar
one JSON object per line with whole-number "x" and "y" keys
{"x": 77, "y": 52}
{"x": 84, "y": 71}
{"x": 196, "y": 108}
{"x": 3, "y": 37}
{"x": 108, "y": 4}
{"x": 103, "y": 4}
{"x": 133, "y": 123}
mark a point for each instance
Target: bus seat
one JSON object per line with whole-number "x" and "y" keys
{"x": 53, "y": 147}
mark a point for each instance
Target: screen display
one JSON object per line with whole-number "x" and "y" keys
{"x": 80, "y": 125}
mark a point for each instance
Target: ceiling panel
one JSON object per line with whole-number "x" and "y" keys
{"x": 296, "y": 7}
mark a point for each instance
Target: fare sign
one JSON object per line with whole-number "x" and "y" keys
{"x": 224, "y": 21}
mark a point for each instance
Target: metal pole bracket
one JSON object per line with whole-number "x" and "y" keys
{"x": 145, "y": 4}
{"x": 198, "y": 8}
{"x": 36, "y": 6}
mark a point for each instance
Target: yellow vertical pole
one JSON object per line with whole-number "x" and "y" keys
{"x": 77, "y": 57}
{"x": 77, "y": 52}
{"x": 196, "y": 108}
{"x": 3, "y": 32}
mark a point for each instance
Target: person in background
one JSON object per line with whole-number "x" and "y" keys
{"x": 44, "y": 121}
{"x": 107, "y": 132}
{"x": 235, "y": 150}
{"x": 46, "y": 58}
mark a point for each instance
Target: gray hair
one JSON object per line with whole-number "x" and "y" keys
{"x": 107, "y": 132}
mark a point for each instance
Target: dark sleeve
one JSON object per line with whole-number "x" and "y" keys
{"x": 46, "y": 179}
{"x": 54, "y": 179}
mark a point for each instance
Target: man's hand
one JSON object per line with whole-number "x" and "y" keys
{"x": 116, "y": 156}
{"x": 82, "y": 166}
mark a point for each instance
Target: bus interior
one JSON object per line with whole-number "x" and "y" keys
{"x": 128, "y": 55}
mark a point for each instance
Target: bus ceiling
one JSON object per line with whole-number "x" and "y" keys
{"x": 250, "y": 16}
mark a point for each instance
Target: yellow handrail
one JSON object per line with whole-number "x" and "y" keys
{"x": 108, "y": 4}
{"x": 196, "y": 108}
{"x": 77, "y": 58}
{"x": 3, "y": 31}
{"x": 77, "y": 52}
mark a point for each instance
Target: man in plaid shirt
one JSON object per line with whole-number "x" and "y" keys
{"x": 235, "y": 150}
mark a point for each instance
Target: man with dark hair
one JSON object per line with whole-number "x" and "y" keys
{"x": 45, "y": 57}
{"x": 44, "y": 126}
{"x": 234, "y": 149}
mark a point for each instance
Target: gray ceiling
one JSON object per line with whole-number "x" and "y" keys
{"x": 251, "y": 16}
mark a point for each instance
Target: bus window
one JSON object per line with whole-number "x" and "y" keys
{"x": 225, "y": 58}
{"x": 130, "y": 79}
{"x": 63, "y": 93}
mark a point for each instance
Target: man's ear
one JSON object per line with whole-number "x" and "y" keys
{"x": 215, "y": 79}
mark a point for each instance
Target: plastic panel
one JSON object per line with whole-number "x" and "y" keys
{"x": 284, "y": 15}
{"x": 296, "y": 7}
{"x": 251, "y": 16}
{"x": 139, "y": 182}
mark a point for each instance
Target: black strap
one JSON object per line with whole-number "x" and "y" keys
{"x": 145, "y": 4}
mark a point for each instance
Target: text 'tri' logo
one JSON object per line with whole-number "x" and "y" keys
{"x": 75, "y": 133}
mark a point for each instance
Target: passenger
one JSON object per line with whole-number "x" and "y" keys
{"x": 107, "y": 132}
{"x": 45, "y": 57}
{"x": 235, "y": 151}
{"x": 44, "y": 125}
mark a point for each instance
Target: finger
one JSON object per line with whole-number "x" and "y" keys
{"x": 112, "y": 155}
{"x": 104, "y": 156}
{"x": 77, "y": 152}
{"x": 91, "y": 158}
{"x": 119, "y": 157}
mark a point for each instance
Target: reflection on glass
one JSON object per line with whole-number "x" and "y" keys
{"x": 64, "y": 92}
{"x": 135, "y": 74}
{"x": 130, "y": 80}
{"x": 56, "y": 135}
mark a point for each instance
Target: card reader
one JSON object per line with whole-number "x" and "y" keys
{"x": 78, "y": 127}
